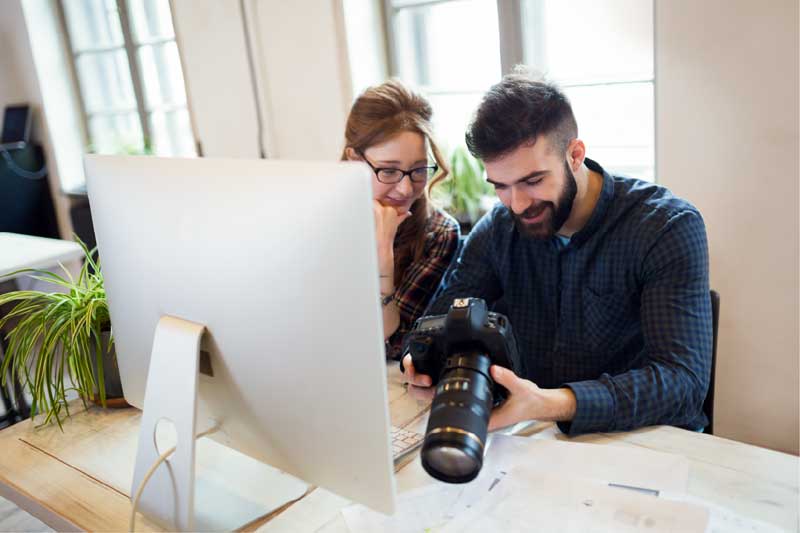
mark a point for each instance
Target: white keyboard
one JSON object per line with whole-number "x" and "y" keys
{"x": 404, "y": 442}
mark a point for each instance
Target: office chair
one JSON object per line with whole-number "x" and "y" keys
{"x": 708, "y": 404}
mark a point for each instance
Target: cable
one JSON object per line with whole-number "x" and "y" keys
{"x": 148, "y": 475}
{"x": 21, "y": 172}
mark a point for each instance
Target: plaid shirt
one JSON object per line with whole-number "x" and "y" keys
{"x": 621, "y": 314}
{"x": 421, "y": 278}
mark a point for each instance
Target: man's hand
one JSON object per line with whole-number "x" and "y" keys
{"x": 419, "y": 385}
{"x": 526, "y": 401}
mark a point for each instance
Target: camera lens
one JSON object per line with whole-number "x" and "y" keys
{"x": 457, "y": 426}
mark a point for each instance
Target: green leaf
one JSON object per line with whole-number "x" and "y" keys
{"x": 56, "y": 337}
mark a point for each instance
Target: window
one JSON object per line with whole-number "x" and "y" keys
{"x": 130, "y": 78}
{"x": 450, "y": 50}
{"x": 600, "y": 52}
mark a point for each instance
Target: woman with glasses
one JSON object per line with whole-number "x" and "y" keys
{"x": 389, "y": 129}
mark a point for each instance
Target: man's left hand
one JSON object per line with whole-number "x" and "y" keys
{"x": 527, "y": 401}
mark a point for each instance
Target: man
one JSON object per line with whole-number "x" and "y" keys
{"x": 605, "y": 278}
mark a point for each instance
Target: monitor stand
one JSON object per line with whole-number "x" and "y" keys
{"x": 237, "y": 490}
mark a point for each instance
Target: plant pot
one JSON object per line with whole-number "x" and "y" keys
{"x": 111, "y": 378}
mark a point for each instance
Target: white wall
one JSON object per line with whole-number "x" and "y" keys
{"x": 304, "y": 76}
{"x": 13, "y": 40}
{"x": 366, "y": 43}
{"x": 300, "y": 67}
{"x": 219, "y": 88}
{"x": 727, "y": 140}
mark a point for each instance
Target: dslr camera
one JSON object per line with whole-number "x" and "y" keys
{"x": 456, "y": 351}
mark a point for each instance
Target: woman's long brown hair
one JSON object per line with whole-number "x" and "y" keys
{"x": 377, "y": 115}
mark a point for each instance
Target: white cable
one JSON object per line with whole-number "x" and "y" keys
{"x": 148, "y": 475}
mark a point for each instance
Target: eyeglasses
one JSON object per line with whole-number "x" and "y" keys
{"x": 390, "y": 176}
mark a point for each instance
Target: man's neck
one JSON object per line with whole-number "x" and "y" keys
{"x": 589, "y": 184}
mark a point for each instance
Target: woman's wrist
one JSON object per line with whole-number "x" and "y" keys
{"x": 386, "y": 279}
{"x": 385, "y": 257}
{"x": 387, "y": 287}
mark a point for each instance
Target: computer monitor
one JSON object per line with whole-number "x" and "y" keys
{"x": 246, "y": 291}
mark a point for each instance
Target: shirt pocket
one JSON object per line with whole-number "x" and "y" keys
{"x": 605, "y": 315}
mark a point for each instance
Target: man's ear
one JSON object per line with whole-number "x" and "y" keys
{"x": 351, "y": 154}
{"x": 576, "y": 153}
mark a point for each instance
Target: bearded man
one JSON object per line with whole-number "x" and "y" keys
{"x": 604, "y": 278}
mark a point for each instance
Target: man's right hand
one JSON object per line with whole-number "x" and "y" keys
{"x": 419, "y": 385}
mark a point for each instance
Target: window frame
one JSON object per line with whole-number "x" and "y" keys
{"x": 130, "y": 47}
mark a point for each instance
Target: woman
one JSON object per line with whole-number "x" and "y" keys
{"x": 389, "y": 129}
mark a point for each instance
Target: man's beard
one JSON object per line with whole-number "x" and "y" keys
{"x": 557, "y": 214}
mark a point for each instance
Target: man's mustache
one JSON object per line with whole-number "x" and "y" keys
{"x": 533, "y": 210}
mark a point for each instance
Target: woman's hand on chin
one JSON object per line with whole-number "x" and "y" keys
{"x": 387, "y": 220}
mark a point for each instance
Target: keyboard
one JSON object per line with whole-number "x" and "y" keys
{"x": 404, "y": 442}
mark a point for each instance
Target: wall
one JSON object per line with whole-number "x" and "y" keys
{"x": 300, "y": 71}
{"x": 727, "y": 139}
{"x": 304, "y": 76}
{"x": 219, "y": 87}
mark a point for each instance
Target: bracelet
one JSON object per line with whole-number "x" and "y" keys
{"x": 385, "y": 300}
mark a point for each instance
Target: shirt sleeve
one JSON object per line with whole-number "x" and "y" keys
{"x": 669, "y": 383}
{"x": 473, "y": 274}
{"x": 422, "y": 278}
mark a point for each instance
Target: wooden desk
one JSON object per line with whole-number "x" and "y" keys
{"x": 79, "y": 479}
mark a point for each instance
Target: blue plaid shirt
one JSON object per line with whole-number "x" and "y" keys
{"x": 621, "y": 314}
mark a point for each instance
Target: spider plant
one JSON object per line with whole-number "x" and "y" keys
{"x": 464, "y": 195}
{"x": 56, "y": 336}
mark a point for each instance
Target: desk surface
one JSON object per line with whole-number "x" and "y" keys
{"x": 79, "y": 479}
{"x": 25, "y": 251}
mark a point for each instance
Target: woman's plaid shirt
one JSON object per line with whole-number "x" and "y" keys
{"x": 422, "y": 277}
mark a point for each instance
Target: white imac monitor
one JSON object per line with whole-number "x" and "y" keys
{"x": 244, "y": 294}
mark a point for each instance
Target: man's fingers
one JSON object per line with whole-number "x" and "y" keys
{"x": 501, "y": 417}
{"x": 411, "y": 376}
{"x": 506, "y": 378}
{"x": 421, "y": 393}
{"x": 421, "y": 380}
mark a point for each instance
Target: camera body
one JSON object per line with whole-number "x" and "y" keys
{"x": 467, "y": 327}
{"x": 456, "y": 350}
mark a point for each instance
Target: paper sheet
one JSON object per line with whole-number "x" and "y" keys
{"x": 528, "y": 499}
{"x": 723, "y": 520}
{"x": 424, "y": 509}
{"x": 622, "y": 465}
{"x": 432, "y": 507}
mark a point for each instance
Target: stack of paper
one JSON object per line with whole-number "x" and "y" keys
{"x": 545, "y": 485}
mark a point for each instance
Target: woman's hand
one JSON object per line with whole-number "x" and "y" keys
{"x": 387, "y": 220}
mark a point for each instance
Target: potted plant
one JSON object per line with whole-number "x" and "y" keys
{"x": 61, "y": 341}
{"x": 468, "y": 195}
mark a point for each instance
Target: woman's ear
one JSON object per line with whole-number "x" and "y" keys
{"x": 351, "y": 154}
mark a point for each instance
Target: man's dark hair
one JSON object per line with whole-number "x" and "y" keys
{"x": 517, "y": 111}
